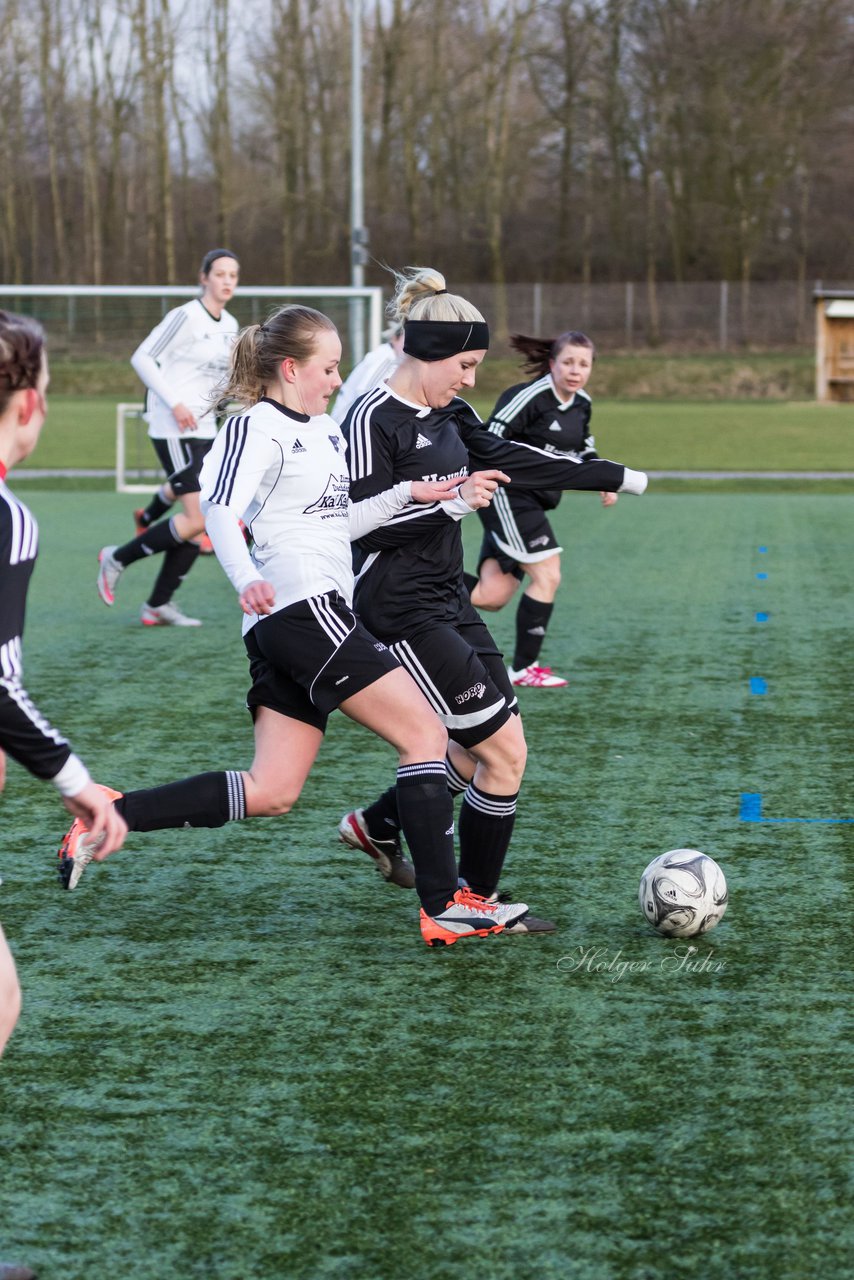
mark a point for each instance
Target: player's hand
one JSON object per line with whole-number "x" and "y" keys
{"x": 94, "y": 808}
{"x": 258, "y": 597}
{"x": 2, "y": 768}
{"x": 435, "y": 490}
{"x": 184, "y": 417}
{"x": 479, "y": 489}
{"x": 608, "y": 499}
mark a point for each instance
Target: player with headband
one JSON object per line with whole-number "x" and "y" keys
{"x": 410, "y": 589}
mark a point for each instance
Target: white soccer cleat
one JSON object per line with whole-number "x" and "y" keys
{"x": 166, "y": 615}
{"x": 78, "y": 848}
{"x": 109, "y": 571}
{"x": 387, "y": 855}
{"x": 535, "y": 677}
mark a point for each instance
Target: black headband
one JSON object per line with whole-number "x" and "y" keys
{"x": 438, "y": 339}
{"x": 211, "y": 257}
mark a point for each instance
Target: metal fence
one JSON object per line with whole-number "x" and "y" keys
{"x": 716, "y": 316}
{"x": 85, "y": 323}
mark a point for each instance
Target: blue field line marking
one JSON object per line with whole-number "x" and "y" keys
{"x": 758, "y": 685}
{"x": 762, "y": 617}
{"x": 762, "y": 576}
{"x": 751, "y": 811}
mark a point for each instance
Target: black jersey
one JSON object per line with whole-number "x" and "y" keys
{"x": 534, "y": 413}
{"x": 409, "y": 571}
{"x": 24, "y": 732}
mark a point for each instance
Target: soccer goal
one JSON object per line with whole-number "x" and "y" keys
{"x": 107, "y": 322}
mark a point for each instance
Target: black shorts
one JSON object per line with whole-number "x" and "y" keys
{"x": 182, "y": 461}
{"x": 516, "y": 531}
{"x": 308, "y": 658}
{"x": 460, "y": 671}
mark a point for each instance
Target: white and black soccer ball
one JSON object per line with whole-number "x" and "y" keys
{"x": 683, "y": 893}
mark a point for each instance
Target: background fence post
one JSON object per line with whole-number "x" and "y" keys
{"x": 537, "y": 309}
{"x": 723, "y": 318}
{"x": 630, "y": 312}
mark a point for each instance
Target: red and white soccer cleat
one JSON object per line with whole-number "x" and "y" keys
{"x": 535, "y": 677}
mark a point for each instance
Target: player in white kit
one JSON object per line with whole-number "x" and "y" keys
{"x": 182, "y": 362}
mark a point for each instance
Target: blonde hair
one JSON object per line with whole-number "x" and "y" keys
{"x": 291, "y": 332}
{"x": 420, "y": 294}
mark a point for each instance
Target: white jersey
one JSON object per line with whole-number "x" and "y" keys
{"x": 182, "y": 361}
{"x": 285, "y": 474}
{"x": 368, "y": 373}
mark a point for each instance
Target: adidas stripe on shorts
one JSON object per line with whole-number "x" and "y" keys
{"x": 308, "y": 658}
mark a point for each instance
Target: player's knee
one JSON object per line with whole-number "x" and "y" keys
{"x": 547, "y": 577}
{"x": 427, "y": 742}
{"x": 486, "y": 600}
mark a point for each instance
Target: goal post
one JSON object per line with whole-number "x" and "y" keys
{"x": 135, "y": 472}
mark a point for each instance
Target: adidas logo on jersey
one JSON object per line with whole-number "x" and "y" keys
{"x": 422, "y": 442}
{"x": 298, "y": 448}
{"x": 554, "y": 426}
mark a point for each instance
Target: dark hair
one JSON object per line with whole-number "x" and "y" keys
{"x": 289, "y": 332}
{"x": 539, "y": 352}
{"x": 22, "y": 342}
{"x": 211, "y": 256}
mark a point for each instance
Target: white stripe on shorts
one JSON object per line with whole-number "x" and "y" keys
{"x": 410, "y": 662}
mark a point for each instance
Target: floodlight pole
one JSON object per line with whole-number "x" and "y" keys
{"x": 358, "y": 231}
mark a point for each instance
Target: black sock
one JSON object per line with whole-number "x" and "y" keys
{"x": 160, "y": 537}
{"x": 456, "y": 782}
{"x": 532, "y": 620}
{"x": 207, "y": 800}
{"x": 382, "y": 818}
{"x": 427, "y": 817}
{"x": 177, "y": 563}
{"x": 155, "y": 510}
{"x": 486, "y": 825}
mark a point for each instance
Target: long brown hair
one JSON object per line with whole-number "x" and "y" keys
{"x": 22, "y": 341}
{"x": 539, "y": 352}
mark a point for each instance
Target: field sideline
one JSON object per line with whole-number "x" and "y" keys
{"x": 760, "y": 436}
{"x": 237, "y": 1060}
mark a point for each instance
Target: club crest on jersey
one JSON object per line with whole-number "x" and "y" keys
{"x": 335, "y": 441}
{"x": 333, "y": 500}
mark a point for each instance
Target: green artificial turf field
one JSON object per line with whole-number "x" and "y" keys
{"x": 238, "y": 1061}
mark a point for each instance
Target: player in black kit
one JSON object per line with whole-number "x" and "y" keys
{"x": 553, "y": 412}
{"x": 25, "y": 734}
{"x": 410, "y": 590}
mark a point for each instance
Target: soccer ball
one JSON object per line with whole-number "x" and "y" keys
{"x": 683, "y": 893}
